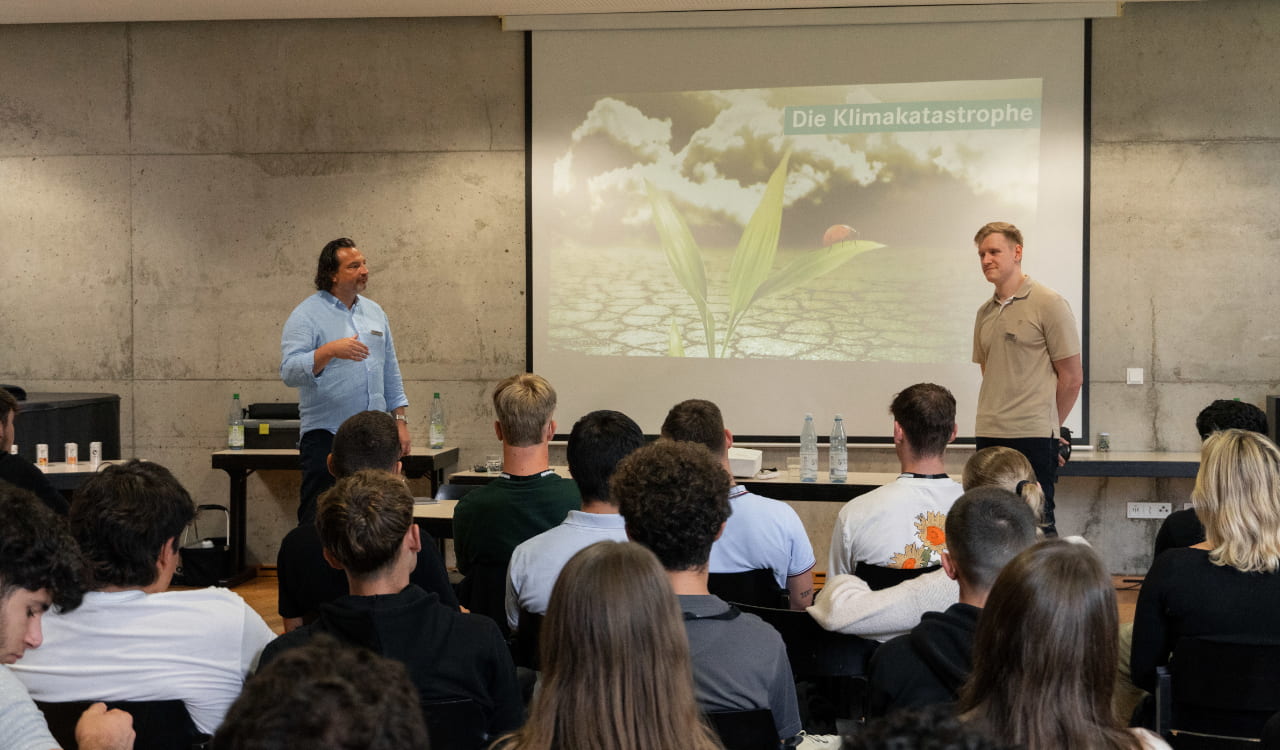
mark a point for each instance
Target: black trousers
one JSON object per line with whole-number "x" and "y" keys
{"x": 1043, "y": 455}
{"x": 313, "y": 454}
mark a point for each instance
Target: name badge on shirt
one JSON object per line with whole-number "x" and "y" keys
{"x": 376, "y": 333}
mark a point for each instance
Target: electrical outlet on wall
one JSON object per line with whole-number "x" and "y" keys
{"x": 1149, "y": 510}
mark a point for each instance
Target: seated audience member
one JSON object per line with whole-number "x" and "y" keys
{"x": 1229, "y": 585}
{"x": 985, "y": 529}
{"x": 1006, "y": 468}
{"x": 675, "y": 499}
{"x": 932, "y": 728}
{"x": 131, "y": 640}
{"x": 366, "y": 527}
{"x": 1044, "y": 655}
{"x": 597, "y": 443}
{"x": 325, "y": 696}
{"x": 1182, "y": 528}
{"x": 761, "y": 533}
{"x": 17, "y": 470}
{"x": 40, "y": 567}
{"x": 615, "y": 661}
{"x": 848, "y": 605}
{"x": 368, "y": 440}
{"x": 526, "y": 500}
{"x": 900, "y": 525}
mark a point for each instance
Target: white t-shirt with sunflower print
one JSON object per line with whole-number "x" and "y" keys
{"x": 899, "y": 525}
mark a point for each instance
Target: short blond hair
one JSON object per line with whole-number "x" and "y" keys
{"x": 999, "y": 466}
{"x": 524, "y": 404}
{"x": 1237, "y": 498}
{"x": 1012, "y": 233}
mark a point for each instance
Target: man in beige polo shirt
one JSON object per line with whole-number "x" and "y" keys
{"x": 1026, "y": 342}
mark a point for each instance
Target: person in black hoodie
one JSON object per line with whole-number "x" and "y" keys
{"x": 985, "y": 529}
{"x": 366, "y": 526}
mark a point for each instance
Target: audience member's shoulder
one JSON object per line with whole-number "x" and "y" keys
{"x": 211, "y": 597}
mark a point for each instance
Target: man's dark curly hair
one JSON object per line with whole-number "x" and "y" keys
{"x": 1227, "y": 415}
{"x": 674, "y": 497}
{"x": 325, "y": 696}
{"x": 36, "y": 550}
{"x": 932, "y": 728}
{"x": 123, "y": 514}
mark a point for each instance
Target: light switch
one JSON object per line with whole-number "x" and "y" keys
{"x": 1133, "y": 376}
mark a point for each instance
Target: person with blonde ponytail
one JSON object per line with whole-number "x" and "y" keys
{"x": 1228, "y": 585}
{"x": 615, "y": 661}
{"x": 1003, "y": 467}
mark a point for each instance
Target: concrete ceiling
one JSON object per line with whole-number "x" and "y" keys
{"x": 85, "y": 11}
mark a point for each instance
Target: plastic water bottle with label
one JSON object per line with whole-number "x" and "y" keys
{"x": 808, "y": 451}
{"x": 838, "y": 453}
{"x": 235, "y": 424}
{"x": 437, "y": 422}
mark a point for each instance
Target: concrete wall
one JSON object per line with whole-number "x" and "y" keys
{"x": 168, "y": 186}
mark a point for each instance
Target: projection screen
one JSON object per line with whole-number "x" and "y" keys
{"x": 781, "y": 219}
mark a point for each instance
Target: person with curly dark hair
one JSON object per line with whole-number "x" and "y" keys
{"x": 132, "y": 639}
{"x": 326, "y": 696}
{"x": 674, "y": 497}
{"x": 40, "y": 567}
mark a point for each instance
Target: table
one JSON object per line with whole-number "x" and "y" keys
{"x": 239, "y": 464}
{"x": 436, "y": 518}
{"x": 1084, "y": 464}
{"x": 67, "y": 478}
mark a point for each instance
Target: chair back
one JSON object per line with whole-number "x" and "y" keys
{"x": 1220, "y": 687}
{"x": 751, "y": 729}
{"x": 455, "y": 724}
{"x": 813, "y": 651}
{"x": 524, "y": 648}
{"x": 454, "y": 491}
{"x": 484, "y": 592}
{"x": 158, "y": 725}
{"x": 757, "y": 587}
{"x": 880, "y": 577}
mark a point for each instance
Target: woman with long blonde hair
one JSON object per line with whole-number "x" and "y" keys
{"x": 615, "y": 661}
{"x": 1044, "y": 656}
{"x": 1003, "y": 467}
{"x": 1228, "y": 585}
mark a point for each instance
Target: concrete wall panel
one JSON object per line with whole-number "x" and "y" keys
{"x": 64, "y": 227}
{"x": 63, "y": 90}
{"x": 328, "y": 86}
{"x": 1175, "y": 71}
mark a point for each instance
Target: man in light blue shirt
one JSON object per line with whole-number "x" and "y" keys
{"x": 337, "y": 351}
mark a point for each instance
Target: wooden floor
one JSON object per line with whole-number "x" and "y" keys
{"x": 261, "y": 594}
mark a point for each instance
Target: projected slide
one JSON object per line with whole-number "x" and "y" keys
{"x": 801, "y": 223}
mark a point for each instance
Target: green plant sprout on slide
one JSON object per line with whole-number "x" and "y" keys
{"x": 751, "y": 274}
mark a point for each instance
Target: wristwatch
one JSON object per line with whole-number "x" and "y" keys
{"x": 400, "y": 417}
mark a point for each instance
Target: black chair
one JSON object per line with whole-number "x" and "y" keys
{"x": 456, "y": 724}
{"x": 1271, "y": 733}
{"x": 756, "y": 587}
{"x": 454, "y": 491}
{"x": 835, "y": 662}
{"x": 524, "y": 647}
{"x": 159, "y": 725}
{"x": 1218, "y": 692}
{"x": 879, "y": 577}
{"x": 484, "y": 592}
{"x": 751, "y": 729}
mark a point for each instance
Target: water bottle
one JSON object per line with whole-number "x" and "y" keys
{"x": 808, "y": 451}
{"x": 235, "y": 424}
{"x": 437, "y": 422}
{"x": 838, "y": 454}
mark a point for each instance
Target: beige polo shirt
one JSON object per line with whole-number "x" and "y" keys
{"x": 1018, "y": 343}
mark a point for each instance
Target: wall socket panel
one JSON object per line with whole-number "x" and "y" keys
{"x": 1149, "y": 510}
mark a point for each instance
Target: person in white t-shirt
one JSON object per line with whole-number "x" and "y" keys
{"x": 902, "y": 525}
{"x": 131, "y": 639}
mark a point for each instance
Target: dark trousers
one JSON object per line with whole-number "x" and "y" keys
{"x": 1043, "y": 455}
{"x": 313, "y": 454}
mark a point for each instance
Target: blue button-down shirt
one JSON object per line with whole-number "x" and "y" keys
{"x": 344, "y": 387}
